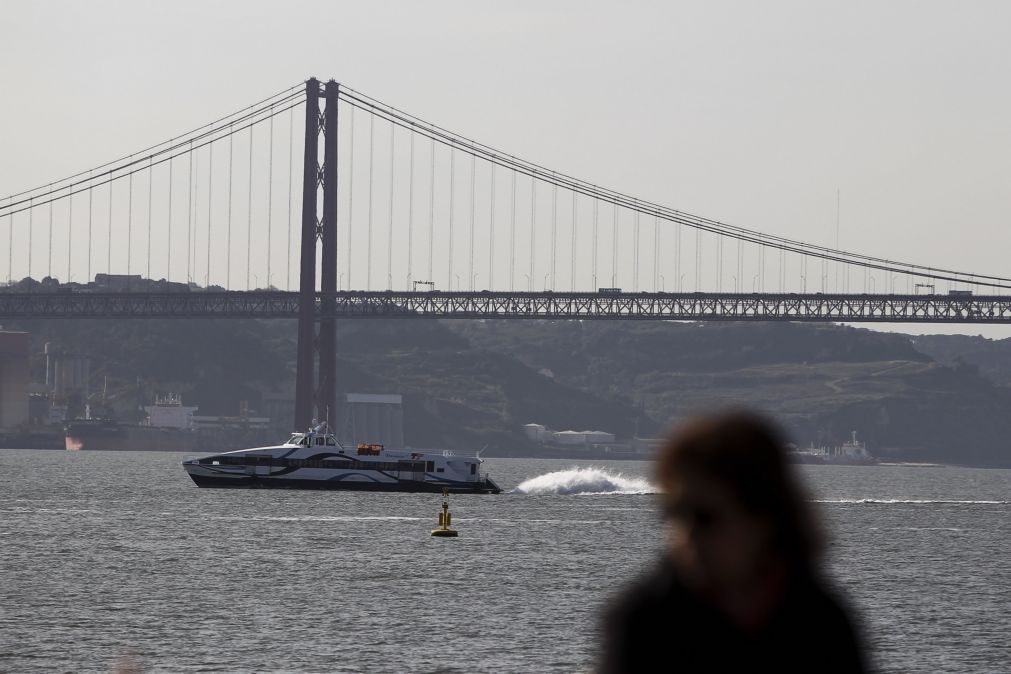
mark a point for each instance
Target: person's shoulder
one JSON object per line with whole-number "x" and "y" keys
{"x": 652, "y": 591}
{"x": 828, "y": 624}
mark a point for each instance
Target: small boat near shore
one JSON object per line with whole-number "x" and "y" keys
{"x": 316, "y": 460}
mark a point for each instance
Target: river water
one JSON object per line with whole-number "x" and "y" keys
{"x": 107, "y": 555}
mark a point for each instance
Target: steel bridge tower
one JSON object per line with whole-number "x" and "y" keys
{"x": 316, "y": 391}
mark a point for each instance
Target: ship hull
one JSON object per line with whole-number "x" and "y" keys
{"x": 417, "y": 486}
{"x": 113, "y": 437}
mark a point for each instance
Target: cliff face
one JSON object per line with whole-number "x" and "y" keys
{"x": 467, "y": 384}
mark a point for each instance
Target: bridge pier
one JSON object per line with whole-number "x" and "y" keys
{"x": 316, "y": 392}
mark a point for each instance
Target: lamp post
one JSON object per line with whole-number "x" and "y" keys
{"x": 803, "y": 283}
{"x": 473, "y": 282}
{"x": 546, "y": 280}
{"x": 735, "y": 282}
{"x": 662, "y": 283}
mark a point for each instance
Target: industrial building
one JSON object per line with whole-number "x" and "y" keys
{"x": 15, "y": 352}
{"x": 370, "y": 418}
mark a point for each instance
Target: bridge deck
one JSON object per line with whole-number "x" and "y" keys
{"x": 516, "y": 305}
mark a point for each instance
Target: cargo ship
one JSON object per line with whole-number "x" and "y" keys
{"x": 170, "y": 428}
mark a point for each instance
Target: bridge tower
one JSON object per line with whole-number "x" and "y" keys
{"x": 316, "y": 392}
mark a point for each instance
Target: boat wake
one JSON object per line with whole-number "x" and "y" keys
{"x": 583, "y": 481}
{"x": 888, "y": 501}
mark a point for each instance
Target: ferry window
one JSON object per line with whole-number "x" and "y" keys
{"x": 439, "y": 470}
{"x": 319, "y": 441}
{"x": 473, "y": 468}
{"x": 430, "y": 466}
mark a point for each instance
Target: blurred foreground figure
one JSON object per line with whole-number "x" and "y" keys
{"x": 738, "y": 589}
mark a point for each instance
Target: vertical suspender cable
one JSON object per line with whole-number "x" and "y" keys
{"x": 372, "y": 172}
{"x": 452, "y": 199}
{"x": 189, "y": 217}
{"x": 150, "y": 193}
{"x": 572, "y": 262}
{"x": 593, "y": 265}
{"x": 70, "y": 229}
{"x": 491, "y": 232}
{"x": 554, "y": 233}
{"x": 410, "y": 214}
{"x": 50, "y": 273}
{"x": 210, "y": 192}
{"x": 431, "y": 214}
{"x": 228, "y": 218}
{"x": 291, "y": 151}
{"x": 473, "y": 188}
{"x": 614, "y": 249}
{"x": 270, "y": 192}
{"x": 719, "y": 263}
{"x": 635, "y": 253}
{"x": 656, "y": 249}
{"x": 196, "y": 213}
{"x": 698, "y": 257}
{"x": 10, "y": 242}
{"x": 512, "y": 236}
{"x": 129, "y": 229}
{"x": 677, "y": 258}
{"x": 249, "y": 210}
{"x": 351, "y": 190}
{"x": 168, "y": 236}
{"x": 91, "y": 200}
{"x": 108, "y": 238}
{"x": 31, "y": 210}
{"x": 533, "y": 226}
{"x": 389, "y": 240}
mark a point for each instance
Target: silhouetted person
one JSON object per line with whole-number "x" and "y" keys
{"x": 738, "y": 588}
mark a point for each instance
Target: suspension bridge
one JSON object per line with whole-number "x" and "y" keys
{"x": 321, "y": 202}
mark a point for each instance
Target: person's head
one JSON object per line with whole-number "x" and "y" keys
{"x": 731, "y": 501}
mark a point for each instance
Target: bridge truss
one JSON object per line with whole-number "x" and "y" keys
{"x": 980, "y": 309}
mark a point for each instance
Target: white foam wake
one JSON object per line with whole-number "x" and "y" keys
{"x": 583, "y": 481}
{"x": 889, "y": 501}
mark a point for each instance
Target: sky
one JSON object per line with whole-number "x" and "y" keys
{"x": 756, "y": 114}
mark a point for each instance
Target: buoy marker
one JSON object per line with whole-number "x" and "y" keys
{"x": 445, "y": 519}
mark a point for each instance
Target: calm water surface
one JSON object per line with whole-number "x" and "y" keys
{"x": 112, "y": 553}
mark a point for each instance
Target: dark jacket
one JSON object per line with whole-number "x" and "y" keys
{"x": 658, "y": 625}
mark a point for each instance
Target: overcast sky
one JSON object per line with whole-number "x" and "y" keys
{"x": 751, "y": 113}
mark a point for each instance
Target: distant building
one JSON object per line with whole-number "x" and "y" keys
{"x": 67, "y": 374}
{"x": 119, "y": 282}
{"x": 370, "y": 418}
{"x": 585, "y": 438}
{"x": 15, "y": 352}
{"x": 536, "y": 432}
{"x": 169, "y": 412}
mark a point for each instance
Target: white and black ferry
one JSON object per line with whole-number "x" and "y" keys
{"x": 316, "y": 460}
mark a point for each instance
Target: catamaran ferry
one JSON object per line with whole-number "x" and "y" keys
{"x": 316, "y": 460}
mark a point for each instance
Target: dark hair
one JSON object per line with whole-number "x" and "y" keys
{"x": 746, "y": 453}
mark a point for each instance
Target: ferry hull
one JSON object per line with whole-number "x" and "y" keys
{"x": 257, "y": 482}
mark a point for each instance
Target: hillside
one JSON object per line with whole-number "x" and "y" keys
{"x": 467, "y": 384}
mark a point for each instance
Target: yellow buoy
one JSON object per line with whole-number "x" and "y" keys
{"x": 445, "y": 519}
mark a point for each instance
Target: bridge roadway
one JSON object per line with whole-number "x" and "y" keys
{"x": 522, "y": 305}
